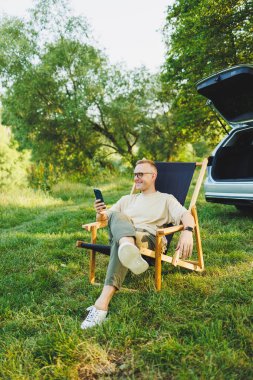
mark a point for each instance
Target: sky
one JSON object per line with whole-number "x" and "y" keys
{"x": 130, "y": 31}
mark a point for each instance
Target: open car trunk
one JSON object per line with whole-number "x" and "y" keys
{"x": 231, "y": 94}
{"x": 234, "y": 160}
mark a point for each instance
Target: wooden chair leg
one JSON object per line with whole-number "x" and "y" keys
{"x": 198, "y": 239}
{"x": 158, "y": 263}
{"x": 93, "y": 255}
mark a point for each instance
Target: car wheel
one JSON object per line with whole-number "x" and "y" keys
{"x": 247, "y": 210}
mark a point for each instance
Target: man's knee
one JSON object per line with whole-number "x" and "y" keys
{"x": 117, "y": 216}
{"x": 120, "y": 225}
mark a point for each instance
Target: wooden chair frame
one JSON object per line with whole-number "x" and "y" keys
{"x": 197, "y": 265}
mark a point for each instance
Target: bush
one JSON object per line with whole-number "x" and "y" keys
{"x": 43, "y": 176}
{"x": 13, "y": 164}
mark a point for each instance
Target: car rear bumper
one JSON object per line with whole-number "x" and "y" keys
{"x": 229, "y": 192}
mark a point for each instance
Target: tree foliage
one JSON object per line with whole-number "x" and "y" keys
{"x": 202, "y": 36}
{"x": 62, "y": 97}
{"x": 74, "y": 110}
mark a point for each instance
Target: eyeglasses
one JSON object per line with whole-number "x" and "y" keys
{"x": 140, "y": 175}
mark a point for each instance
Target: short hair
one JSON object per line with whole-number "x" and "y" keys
{"x": 150, "y": 162}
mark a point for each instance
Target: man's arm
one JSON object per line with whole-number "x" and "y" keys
{"x": 185, "y": 243}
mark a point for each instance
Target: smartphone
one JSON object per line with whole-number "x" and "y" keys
{"x": 98, "y": 194}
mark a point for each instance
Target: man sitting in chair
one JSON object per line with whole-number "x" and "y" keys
{"x": 133, "y": 221}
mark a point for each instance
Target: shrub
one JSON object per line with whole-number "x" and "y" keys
{"x": 42, "y": 176}
{"x": 13, "y": 164}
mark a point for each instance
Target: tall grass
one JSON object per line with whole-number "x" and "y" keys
{"x": 197, "y": 327}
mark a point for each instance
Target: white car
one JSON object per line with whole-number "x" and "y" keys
{"x": 230, "y": 167}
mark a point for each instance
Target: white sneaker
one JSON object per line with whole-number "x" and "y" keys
{"x": 95, "y": 317}
{"x": 130, "y": 257}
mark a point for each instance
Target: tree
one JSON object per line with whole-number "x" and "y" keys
{"x": 122, "y": 113}
{"x": 62, "y": 97}
{"x": 202, "y": 36}
{"x": 48, "y": 105}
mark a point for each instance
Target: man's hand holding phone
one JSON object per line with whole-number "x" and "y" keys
{"x": 99, "y": 205}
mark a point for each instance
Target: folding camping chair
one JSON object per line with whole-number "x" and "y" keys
{"x": 173, "y": 178}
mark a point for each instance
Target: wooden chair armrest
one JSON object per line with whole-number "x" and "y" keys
{"x": 96, "y": 225}
{"x": 169, "y": 230}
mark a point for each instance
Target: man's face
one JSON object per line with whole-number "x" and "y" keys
{"x": 148, "y": 178}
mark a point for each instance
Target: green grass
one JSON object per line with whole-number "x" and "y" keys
{"x": 197, "y": 327}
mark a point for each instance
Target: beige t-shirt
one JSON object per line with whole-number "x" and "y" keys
{"x": 150, "y": 211}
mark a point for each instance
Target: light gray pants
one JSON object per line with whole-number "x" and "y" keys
{"x": 121, "y": 226}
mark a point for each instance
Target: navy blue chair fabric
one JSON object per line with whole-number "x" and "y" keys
{"x": 105, "y": 249}
{"x": 173, "y": 178}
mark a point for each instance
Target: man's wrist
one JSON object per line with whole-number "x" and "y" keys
{"x": 101, "y": 217}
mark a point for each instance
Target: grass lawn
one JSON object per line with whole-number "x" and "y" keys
{"x": 197, "y": 327}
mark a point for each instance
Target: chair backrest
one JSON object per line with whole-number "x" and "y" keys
{"x": 175, "y": 178}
